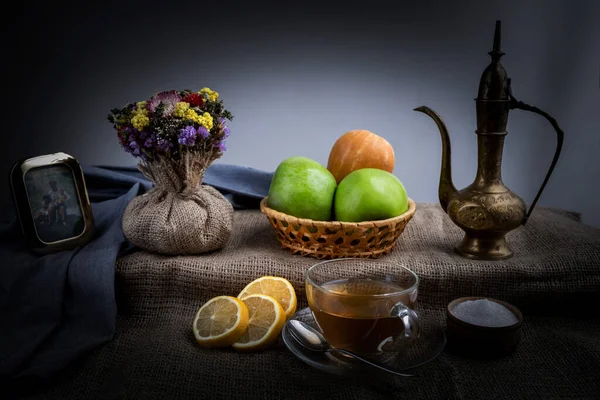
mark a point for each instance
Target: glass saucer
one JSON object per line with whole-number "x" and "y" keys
{"x": 431, "y": 343}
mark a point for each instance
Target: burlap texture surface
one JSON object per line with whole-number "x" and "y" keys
{"x": 178, "y": 215}
{"x": 554, "y": 273}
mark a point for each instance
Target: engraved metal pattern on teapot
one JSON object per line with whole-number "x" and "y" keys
{"x": 485, "y": 211}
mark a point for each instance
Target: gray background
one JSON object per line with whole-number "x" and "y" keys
{"x": 298, "y": 77}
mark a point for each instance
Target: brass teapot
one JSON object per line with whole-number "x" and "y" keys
{"x": 487, "y": 210}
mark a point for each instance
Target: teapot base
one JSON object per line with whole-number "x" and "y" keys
{"x": 489, "y": 248}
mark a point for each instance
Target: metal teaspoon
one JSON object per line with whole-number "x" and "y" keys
{"x": 312, "y": 339}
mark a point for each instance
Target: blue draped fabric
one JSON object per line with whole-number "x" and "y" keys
{"x": 56, "y": 308}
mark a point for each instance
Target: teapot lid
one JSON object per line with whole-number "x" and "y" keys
{"x": 494, "y": 81}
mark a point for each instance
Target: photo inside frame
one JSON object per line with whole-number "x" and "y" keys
{"x": 54, "y": 203}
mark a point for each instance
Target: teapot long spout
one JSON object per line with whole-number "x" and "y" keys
{"x": 446, "y": 186}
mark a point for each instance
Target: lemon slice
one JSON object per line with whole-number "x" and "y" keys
{"x": 265, "y": 323}
{"x": 220, "y": 322}
{"x": 278, "y": 288}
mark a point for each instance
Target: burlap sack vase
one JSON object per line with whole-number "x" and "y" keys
{"x": 179, "y": 215}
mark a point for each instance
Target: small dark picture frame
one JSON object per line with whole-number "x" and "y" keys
{"x": 52, "y": 203}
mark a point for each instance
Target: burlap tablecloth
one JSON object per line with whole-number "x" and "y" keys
{"x": 554, "y": 278}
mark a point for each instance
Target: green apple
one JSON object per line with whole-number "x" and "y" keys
{"x": 369, "y": 194}
{"x": 303, "y": 188}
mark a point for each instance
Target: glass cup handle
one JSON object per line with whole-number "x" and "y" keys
{"x": 411, "y": 328}
{"x": 409, "y": 318}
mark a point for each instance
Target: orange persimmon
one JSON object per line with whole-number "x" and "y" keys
{"x": 359, "y": 149}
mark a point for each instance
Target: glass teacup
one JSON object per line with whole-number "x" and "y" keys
{"x": 364, "y": 306}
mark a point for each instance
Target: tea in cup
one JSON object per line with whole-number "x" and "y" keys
{"x": 364, "y": 306}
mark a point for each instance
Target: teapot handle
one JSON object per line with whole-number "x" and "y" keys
{"x": 514, "y": 103}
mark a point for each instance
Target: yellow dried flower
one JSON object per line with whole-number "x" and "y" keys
{"x": 141, "y": 109}
{"x": 210, "y": 94}
{"x": 139, "y": 121}
{"x": 207, "y": 121}
{"x": 181, "y": 108}
{"x": 193, "y": 116}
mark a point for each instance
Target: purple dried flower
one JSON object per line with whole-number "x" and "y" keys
{"x": 148, "y": 142}
{"x": 168, "y": 99}
{"x": 203, "y": 132}
{"x": 226, "y": 131}
{"x": 165, "y": 146}
{"x": 221, "y": 145}
{"x": 135, "y": 148}
{"x": 162, "y": 144}
{"x": 187, "y": 136}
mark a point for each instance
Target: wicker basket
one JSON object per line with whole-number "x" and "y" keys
{"x": 334, "y": 239}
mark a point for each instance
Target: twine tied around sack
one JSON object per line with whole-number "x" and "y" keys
{"x": 183, "y": 176}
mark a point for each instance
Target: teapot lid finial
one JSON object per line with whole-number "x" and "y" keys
{"x": 494, "y": 81}
{"x": 496, "y": 53}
